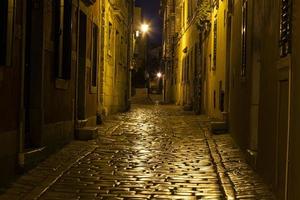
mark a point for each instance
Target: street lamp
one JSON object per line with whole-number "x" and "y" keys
{"x": 159, "y": 75}
{"x": 161, "y": 79}
{"x": 145, "y": 28}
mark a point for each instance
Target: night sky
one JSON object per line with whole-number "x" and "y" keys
{"x": 150, "y": 11}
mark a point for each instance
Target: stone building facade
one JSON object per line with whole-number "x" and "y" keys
{"x": 63, "y": 65}
{"x": 244, "y": 73}
{"x": 118, "y": 16}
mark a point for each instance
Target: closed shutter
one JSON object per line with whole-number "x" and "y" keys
{"x": 3, "y": 30}
{"x": 215, "y": 44}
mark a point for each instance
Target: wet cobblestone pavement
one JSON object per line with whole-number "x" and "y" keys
{"x": 154, "y": 152}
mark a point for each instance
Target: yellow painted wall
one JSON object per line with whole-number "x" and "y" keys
{"x": 115, "y": 87}
{"x": 187, "y": 39}
{"x": 217, "y": 73}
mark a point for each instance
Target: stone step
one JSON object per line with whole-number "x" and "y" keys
{"x": 218, "y": 127}
{"x": 31, "y": 157}
{"x": 86, "y": 133}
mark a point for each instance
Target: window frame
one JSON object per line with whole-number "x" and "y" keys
{"x": 109, "y": 38}
{"x": 117, "y": 53}
{"x": 95, "y": 60}
{"x": 7, "y": 32}
{"x": 62, "y": 26}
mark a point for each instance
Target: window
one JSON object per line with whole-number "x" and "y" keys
{"x": 190, "y": 8}
{"x": 196, "y": 63}
{"x": 125, "y": 54}
{"x": 122, "y": 51}
{"x": 230, "y": 6}
{"x": 62, "y": 28}
{"x": 67, "y": 45}
{"x": 172, "y": 73}
{"x": 117, "y": 53}
{"x": 175, "y": 70}
{"x": 183, "y": 15}
{"x": 221, "y": 97}
{"x": 117, "y": 47}
{"x": 109, "y": 37}
{"x": 179, "y": 20}
{"x": 182, "y": 71}
{"x": 187, "y": 68}
{"x": 6, "y": 31}
{"x": 214, "y": 99}
{"x": 215, "y": 44}
{"x": 285, "y": 28}
{"x": 95, "y": 56}
{"x": 244, "y": 38}
{"x": 173, "y": 7}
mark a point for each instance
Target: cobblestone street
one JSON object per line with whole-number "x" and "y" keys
{"x": 151, "y": 152}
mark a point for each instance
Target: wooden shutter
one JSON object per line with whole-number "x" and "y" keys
{"x": 3, "y": 32}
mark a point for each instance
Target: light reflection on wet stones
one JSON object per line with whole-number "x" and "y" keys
{"x": 154, "y": 153}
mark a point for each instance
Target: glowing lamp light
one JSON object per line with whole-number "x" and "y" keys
{"x": 145, "y": 28}
{"x": 137, "y": 33}
{"x": 159, "y": 75}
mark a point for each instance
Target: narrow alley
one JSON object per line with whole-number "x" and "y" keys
{"x": 152, "y": 152}
{"x": 149, "y": 99}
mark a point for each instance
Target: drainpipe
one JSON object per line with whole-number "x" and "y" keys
{"x": 77, "y": 67}
{"x": 22, "y": 109}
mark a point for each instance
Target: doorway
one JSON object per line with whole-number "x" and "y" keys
{"x": 282, "y": 138}
{"x": 81, "y": 97}
{"x": 33, "y": 79}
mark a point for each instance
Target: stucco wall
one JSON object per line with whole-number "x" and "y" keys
{"x": 216, "y": 74}
{"x": 115, "y": 86}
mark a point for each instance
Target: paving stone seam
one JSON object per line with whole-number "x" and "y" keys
{"x": 225, "y": 181}
{"x": 269, "y": 194}
{"x": 38, "y": 192}
{"x": 157, "y": 168}
{"x": 28, "y": 184}
{"x": 111, "y": 130}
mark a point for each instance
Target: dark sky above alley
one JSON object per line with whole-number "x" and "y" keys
{"x": 150, "y": 10}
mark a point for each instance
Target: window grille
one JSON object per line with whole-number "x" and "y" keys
{"x": 285, "y": 28}
{"x": 244, "y": 37}
{"x": 215, "y": 44}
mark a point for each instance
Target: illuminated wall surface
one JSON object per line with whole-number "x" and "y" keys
{"x": 64, "y": 65}
{"x": 115, "y": 88}
{"x": 235, "y": 64}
